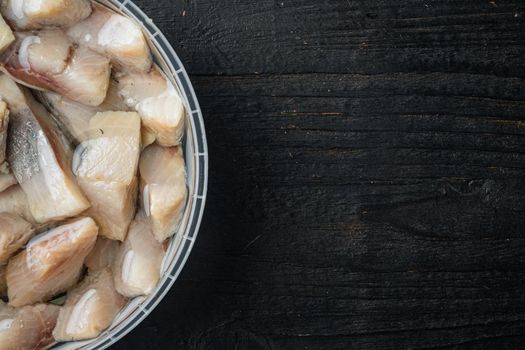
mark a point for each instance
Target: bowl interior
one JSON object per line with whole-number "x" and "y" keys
{"x": 196, "y": 156}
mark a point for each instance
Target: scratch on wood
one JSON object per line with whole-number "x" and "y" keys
{"x": 252, "y": 242}
{"x": 296, "y": 114}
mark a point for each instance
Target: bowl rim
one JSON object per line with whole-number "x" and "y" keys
{"x": 196, "y": 156}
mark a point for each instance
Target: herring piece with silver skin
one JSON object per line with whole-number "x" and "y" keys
{"x": 40, "y": 158}
{"x": 138, "y": 262}
{"x": 163, "y": 189}
{"x": 51, "y": 263}
{"x": 90, "y": 308}
{"x": 48, "y": 60}
{"x": 106, "y": 168}
{"x": 75, "y": 116}
{"x": 157, "y": 101}
{"x": 115, "y": 36}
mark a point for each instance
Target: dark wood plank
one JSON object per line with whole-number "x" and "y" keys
{"x": 366, "y": 186}
{"x": 343, "y": 36}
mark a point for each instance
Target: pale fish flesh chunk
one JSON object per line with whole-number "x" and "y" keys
{"x": 48, "y": 60}
{"x": 27, "y": 328}
{"x": 90, "y": 308}
{"x": 40, "y": 158}
{"x": 158, "y": 103}
{"x": 139, "y": 260}
{"x": 14, "y": 201}
{"x": 106, "y": 168}
{"x": 15, "y": 232}
{"x": 163, "y": 188}
{"x": 36, "y": 14}
{"x": 6, "y": 35}
{"x": 116, "y": 36}
{"x": 6, "y": 181}
{"x": 75, "y": 116}
{"x": 4, "y": 123}
{"x": 51, "y": 263}
{"x": 113, "y": 205}
{"x": 103, "y": 254}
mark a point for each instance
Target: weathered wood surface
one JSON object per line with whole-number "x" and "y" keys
{"x": 367, "y": 176}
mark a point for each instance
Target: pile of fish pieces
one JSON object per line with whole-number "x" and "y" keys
{"x": 92, "y": 176}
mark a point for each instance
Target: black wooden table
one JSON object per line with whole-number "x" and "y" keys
{"x": 367, "y": 176}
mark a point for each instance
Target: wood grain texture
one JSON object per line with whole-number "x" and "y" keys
{"x": 366, "y": 184}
